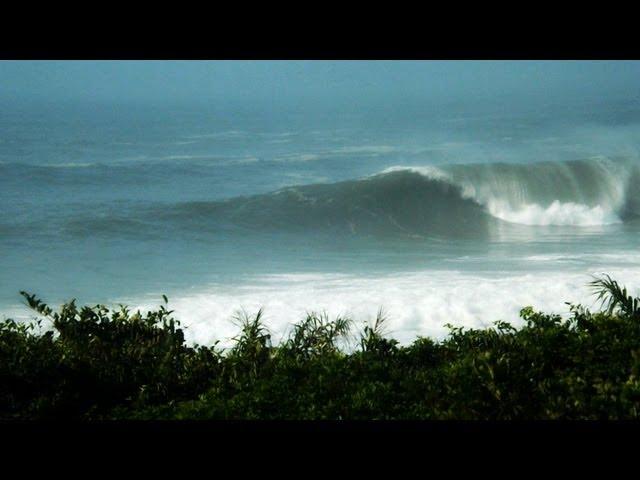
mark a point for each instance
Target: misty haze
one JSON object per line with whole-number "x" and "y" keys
{"x": 442, "y": 192}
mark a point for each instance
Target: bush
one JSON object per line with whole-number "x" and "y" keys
{"x": 95, "y": 363}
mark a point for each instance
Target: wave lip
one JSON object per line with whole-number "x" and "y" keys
{"x": 578, "y": 193}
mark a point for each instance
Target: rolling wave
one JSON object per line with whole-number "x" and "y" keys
{"x": 451, "y": 200}
{"x": 402, "y": 202}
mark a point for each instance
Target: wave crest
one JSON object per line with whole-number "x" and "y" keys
{"x": 579, "y": 193}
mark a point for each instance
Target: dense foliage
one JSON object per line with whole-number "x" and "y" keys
{"x": 94, "y": 363}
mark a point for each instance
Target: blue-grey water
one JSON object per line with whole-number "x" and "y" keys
{"x": 446, "y": 215}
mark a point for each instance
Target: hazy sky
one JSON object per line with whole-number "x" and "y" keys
{"x": 312, "y": 82}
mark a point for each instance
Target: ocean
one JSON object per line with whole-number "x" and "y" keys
{"x": 446, "y": 214}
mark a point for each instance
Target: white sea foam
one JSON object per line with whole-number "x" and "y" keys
{"x": 557, "y": 213}
{"x": 185, "y": 157}
{"x": 416, "y": 303}
{"x": 67, "y": 165}
{"x": 365, "y": 149}
{"x": 225, "y": 134}
{"x": 298, "y": 157}
{"x": 624, "y": 258}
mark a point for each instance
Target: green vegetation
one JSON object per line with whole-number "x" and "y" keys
{"x": 93, "y": 363}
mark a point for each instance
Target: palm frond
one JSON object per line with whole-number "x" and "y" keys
{"x": 614, "y": 297}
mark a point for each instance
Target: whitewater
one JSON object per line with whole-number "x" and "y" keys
{"x": 458, "y": 221}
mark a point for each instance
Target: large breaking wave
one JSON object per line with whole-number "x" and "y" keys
{"x": 450, "y": 200}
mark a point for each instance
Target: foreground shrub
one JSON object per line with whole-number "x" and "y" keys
{"x": 95, "y": 359}
{"x": 95, "y": 363}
